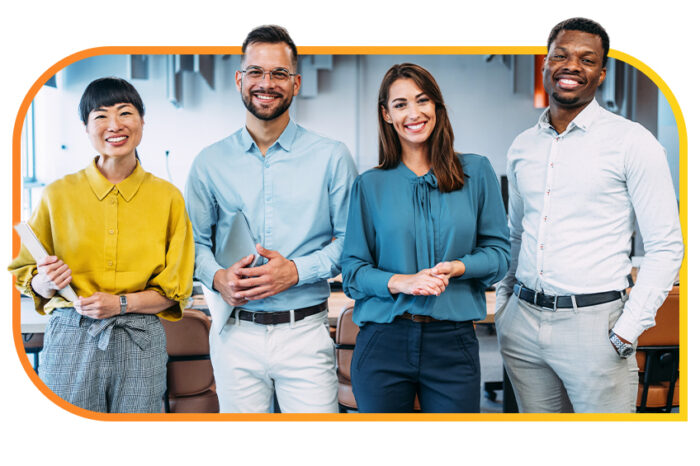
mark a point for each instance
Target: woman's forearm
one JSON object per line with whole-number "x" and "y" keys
{"x": 147, "y": 302}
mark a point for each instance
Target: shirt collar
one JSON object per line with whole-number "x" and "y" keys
{"x": 285, "y": 140}
{"x": 127, "y": 187}
{"x": 583, "y": 120}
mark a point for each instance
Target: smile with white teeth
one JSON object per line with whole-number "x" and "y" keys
{"x": 568, "y": 83}
{"x": 415, "y": 126}
{"x": 264, "y": 97}
{"x": 116, "y": 139}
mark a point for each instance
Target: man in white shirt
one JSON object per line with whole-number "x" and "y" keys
{"x": 577, "y": 181}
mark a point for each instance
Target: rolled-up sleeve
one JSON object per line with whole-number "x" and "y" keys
{"x": 24, "y": 267}
{"x": 174, "y": 281}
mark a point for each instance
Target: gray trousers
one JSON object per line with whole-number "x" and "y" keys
{"x": 115, "y": 365}
{"x": 563, "y": 361}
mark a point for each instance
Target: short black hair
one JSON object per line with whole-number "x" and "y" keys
{"x": 270, "y": 34}
{"x": 584, "y": 25}
{"x": 105, "y": 92}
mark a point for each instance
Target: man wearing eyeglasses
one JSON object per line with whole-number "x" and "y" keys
{"x": 293, "y": 187}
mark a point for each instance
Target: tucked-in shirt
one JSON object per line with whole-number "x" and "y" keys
{"x": 295, "y": 199}
{"x": 117, "y": 239}
{"x": 573, "y": 201}
{"x": 400, "y": 223}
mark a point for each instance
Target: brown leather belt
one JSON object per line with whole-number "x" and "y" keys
{"x": 418, "y": 318}
{"x": 279, "y": 317}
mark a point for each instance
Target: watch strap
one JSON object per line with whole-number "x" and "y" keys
{"x": 122, "y": 305}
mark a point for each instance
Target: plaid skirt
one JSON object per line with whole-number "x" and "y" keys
{"x": 114, "y": 365}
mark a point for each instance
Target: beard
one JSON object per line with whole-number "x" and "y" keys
{"x": 268, "y": 113}
{"x": 565, "y": 100}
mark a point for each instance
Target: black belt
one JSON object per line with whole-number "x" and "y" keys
{"x": 421, "y": 319}
{"x": 279, "y": 317}
{"x": 557, "y": 302}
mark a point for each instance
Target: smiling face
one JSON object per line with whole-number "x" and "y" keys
{"x": 411, "y": 112}
{"x": 115, "y": 131}
{"x": 573, "y": 69}
{"x": 267, "y": 98}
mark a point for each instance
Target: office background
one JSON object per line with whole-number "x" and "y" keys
{"x": 191, "y": 102}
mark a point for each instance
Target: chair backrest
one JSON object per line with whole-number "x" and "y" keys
{"x": 345, "y": 334}
{"x": 665, "y": 332}
{"x": 189, "y": 368}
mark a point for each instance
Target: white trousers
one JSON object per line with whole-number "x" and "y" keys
{"x": 563, "y": 361}
{"x": 296, "y": 361}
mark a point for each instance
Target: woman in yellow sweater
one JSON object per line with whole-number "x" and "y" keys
{"x": 122, "y": 239}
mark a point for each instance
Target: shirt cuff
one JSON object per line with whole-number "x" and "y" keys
{"x": 627, "y": 328}
{"x": 475, "y": 266}
{"x": 205, "y": 272}
{"x": 307, "y": 269}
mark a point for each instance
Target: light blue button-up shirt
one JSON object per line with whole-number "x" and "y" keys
{"x": 295, "y": 198}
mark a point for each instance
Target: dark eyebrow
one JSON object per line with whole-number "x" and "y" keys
{"x": 398, "y": 99}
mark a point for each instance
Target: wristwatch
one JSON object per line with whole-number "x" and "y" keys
{"x": 122, "y": 305}
{"x": 623, "y": 349}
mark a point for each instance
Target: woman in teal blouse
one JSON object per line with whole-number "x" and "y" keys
{"x": 426, "y": 235}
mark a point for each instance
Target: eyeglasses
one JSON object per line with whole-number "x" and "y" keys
{"x": 255, "y": 73}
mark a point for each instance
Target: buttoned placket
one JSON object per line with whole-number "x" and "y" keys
{"x": 267, "y": 198}
{"x": 546, "y": 218}
{"x": 110, "y": 249}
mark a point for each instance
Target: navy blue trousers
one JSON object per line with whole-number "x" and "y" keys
{"x": 438, "y": 361}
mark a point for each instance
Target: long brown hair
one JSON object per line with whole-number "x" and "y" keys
{"x": 441, "y": 154}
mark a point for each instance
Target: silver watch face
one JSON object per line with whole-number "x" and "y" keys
{"x": 626, "y": 350}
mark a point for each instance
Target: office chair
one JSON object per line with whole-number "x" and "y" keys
{"x": 191, "y": 387}
{"x": 657, "y": 358}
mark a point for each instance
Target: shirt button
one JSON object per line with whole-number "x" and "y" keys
{"x": 111, "y": 232}
{"x": 109, "y": 263}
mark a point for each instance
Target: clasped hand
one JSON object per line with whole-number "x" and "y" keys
{"x": 427, "y": 282}
{"x": 98, "y": 306}
{"x": 239, "y": 284}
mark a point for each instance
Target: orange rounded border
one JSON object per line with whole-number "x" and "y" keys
{"x": 682, "y": 415}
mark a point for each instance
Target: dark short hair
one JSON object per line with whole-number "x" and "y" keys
{"x": 105, "y": 92}
{"x": 441, "y": 154}
{"x": 584, "y": 25}
{"x": 270, "y": 34}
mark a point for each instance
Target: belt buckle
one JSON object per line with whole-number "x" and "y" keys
{"x": 554, "y": 307}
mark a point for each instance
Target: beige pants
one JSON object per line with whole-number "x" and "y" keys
{"x": 563, "y": 361}
{"x": 295, "y": 361}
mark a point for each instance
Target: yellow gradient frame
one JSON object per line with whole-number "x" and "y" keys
{"x": 682, "y": 415}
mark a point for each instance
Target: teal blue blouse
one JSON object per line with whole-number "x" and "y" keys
{"x": 401, "y": 223}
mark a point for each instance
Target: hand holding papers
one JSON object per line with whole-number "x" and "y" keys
{"x": 35, "y": 248}
{"x": 238, "y": 244}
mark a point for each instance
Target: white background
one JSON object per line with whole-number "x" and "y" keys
{"x": 35, "y": 36}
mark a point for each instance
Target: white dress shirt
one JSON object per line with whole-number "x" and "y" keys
{"x": 573, "y": 198}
